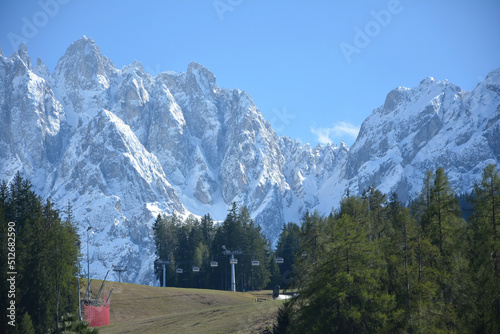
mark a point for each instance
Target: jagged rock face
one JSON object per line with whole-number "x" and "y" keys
{"x": 433, "y": 125}
{"x": 33, "y": 124}
{"x": 122, "y": 146}
{"x": 57, "y": 131}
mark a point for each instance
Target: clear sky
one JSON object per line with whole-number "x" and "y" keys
{"x": 316, "y": 69}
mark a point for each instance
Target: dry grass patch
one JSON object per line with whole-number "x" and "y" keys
{"x": 144, "y": 309}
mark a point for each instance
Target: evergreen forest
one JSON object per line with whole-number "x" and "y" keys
{"x": 38, "y": 264}
{"x": 374, "y": 265}
{"x": 378, "y": 266}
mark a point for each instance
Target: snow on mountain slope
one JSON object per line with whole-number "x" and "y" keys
{"x": 33, "y": 125}
{"x": 122, "y": 146}
{"x": 96, "y": 163}
{"x": 433, "y": 125}
{"x": 116, "y": 186}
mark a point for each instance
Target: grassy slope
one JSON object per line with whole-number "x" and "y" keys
{"x": 144, "y": 309}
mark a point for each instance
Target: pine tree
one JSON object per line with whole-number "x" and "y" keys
{"x": 442, "y": 228}
{"x": 484, "y": 252}
{"x": 310, "y": 250}
{"x": 26, "y": 326}
{"x": 287, "y": 247}
{"x": 343, "y": 292}
{"x": 207, "y": 229}
{"x": 71, "y": 324}
{"x": 282, "y": 324}
{"x": 377, "y": 213}
{"x": 400, "y": 250}
{"x": 165, "y": 237}
{"x": 65, "y": 259}
{"x": 274, "y": 271}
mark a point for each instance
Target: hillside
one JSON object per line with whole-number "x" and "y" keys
{"x": 143, "y": 309}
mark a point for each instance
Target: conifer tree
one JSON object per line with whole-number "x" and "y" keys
{"x": 165, "y": 236}
{"x": 26, "y": 325}
{"x": 444, "y": 228}
{"x": 484, "y": 252}
{"x": 343, "y": 291}
{"x": 287, "y": 247}
{"x": 400, "y": 250}
{"x": 283, "y": 324}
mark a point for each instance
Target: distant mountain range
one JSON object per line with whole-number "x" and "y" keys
{"x": 123, "y": 146}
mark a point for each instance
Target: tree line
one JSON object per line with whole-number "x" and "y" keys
{"x": 376, "y": 265}
{"x": 39, "y": 256}
{"x": 202, "y": 249}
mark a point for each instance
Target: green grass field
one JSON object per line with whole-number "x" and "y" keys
{"x": 144, "y": 309}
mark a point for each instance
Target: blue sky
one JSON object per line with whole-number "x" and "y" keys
{"x": 316, "y": 69}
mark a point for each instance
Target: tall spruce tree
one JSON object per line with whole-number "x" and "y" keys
{"x": 287, "y": 247}
{"x": 397, "y": 255}
{"x": 444, "y": 228}
{"x": 484, "y": 252}
{"x": 165, "y": 237}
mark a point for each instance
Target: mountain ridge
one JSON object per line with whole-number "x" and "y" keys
{"x": 123, "y": 146}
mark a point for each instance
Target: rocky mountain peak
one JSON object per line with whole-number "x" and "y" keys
{"x": 84, "y": 45}
{"x": 343, "y": 146}
{"x": 134, "y": 67}
{"x": 84, "y": 66}
{"x": 492, "y": 81}
{"x": 494, "y": 75}
{"x": 427, "y": 81}
{"x": 200, "y": 76}
{"x": 41, "y": 69}
{"x": 21, "y": 59}
{"x": 394, "y": 98}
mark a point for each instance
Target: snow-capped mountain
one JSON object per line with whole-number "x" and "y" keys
{"x": 122, "y": 146}
{"x": 433, "y": 125}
